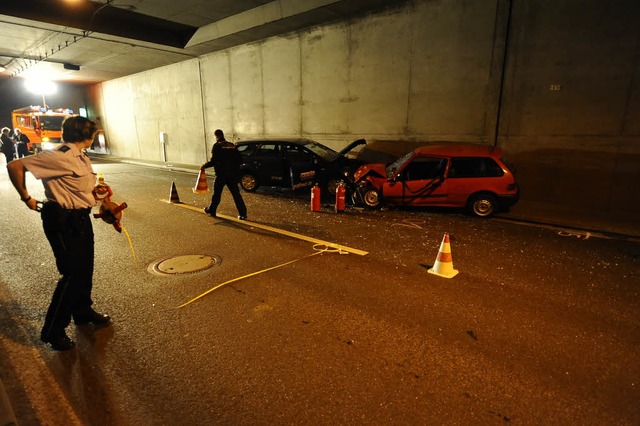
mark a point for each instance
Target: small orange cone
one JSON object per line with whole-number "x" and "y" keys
{"x": 443, "y": 266}
{"x": 173, "y": 197}
{"x": 201, "y": 186}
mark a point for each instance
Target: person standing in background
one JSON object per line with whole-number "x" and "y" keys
{"x": 7, "y": 147}
{"x": 22, "y": 142}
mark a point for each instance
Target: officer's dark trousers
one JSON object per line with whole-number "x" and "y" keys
{"x": 232, "y": 184}
{"x": 70, "y": 234}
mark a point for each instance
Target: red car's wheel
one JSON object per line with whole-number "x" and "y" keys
{"x": 482, "y": 205}
{"x": 371, "y": 197}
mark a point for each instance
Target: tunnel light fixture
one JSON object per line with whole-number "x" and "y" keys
{"x": 40, "y": 87}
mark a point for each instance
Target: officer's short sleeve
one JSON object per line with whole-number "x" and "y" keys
{"x": 46, "y": 165}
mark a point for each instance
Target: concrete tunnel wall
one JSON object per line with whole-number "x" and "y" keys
{"x": 555, "y": 84}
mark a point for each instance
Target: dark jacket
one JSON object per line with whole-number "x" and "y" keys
{"x": 225, "y": 159}
{"x": 22, "y": 138}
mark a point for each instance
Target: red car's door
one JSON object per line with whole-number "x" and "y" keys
{"x": 419, "y": 182}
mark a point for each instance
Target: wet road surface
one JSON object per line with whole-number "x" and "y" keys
{"x": 539, "y": 327}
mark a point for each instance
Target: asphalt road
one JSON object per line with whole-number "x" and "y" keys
{"x": 540, "y": 326}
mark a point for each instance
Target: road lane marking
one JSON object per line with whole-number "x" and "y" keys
{"x": 276, "y": 230}
{"x": 586, "y": 234}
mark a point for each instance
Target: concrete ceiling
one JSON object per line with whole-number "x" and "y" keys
{"x": 108, "y": 39}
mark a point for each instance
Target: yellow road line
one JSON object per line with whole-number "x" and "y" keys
{"x": 275, "y": 230}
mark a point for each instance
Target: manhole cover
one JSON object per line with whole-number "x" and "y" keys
{"x": 184, "y": 264}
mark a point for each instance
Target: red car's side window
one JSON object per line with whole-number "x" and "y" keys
{"x": 474, "y": 167}
{"x": 424, "y": 168}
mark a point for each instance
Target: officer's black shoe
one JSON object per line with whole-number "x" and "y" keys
{"x": 207, "y": 210}
{"x": 59, "y": 342}
{"x": 242, "y": 217}
{"x": 92, "y": 317}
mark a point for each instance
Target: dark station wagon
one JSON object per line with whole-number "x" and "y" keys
{"x": 456, "y": 175}
{"x": 294, "y": 163}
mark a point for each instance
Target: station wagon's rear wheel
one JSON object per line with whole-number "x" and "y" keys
{"x": 371, "y": 198}
{"x": 248, "y": 182}
{"x": 332, "y": 185}
{"x": 482, "y": 205}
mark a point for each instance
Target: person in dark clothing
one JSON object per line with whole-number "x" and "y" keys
{"x": 22, "y": 142}
{"x": 7, "y": 147}
{"x": 225, "y": 159}
{"x": 68, "y": 180}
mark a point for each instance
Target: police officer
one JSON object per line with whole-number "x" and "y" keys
{"x": 225, "y": 159}
{"x": 68, "y": 179}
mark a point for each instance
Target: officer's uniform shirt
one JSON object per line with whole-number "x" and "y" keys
{"x": 66, "y": 174}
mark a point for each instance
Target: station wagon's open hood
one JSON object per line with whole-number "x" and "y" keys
{"x": 352, "y": 145}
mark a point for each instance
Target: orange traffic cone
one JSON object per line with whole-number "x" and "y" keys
{"x": 201, "y": 186}
{"x": 173, "y": 197}
{"x": 443, "y": 266}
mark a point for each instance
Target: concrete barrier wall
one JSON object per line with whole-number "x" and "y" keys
{"x": 166, "y": 100}
{"x": 556, "y": 84}
{"x": 421, "y": 73}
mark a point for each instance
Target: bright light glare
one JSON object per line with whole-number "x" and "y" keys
{"x": 41, "y": 87}
{"x": 48, "y": 146}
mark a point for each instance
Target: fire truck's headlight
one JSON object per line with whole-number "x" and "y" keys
{"x": 45, "y": 139}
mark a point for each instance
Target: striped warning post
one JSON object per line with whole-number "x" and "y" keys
{"x": 443, "y": 267}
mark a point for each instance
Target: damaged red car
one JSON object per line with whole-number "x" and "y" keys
{"x": 473, "y": 177}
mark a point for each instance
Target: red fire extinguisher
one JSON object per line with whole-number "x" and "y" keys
{"x": 315, "y": 198}
{"x": 340, "y": 195}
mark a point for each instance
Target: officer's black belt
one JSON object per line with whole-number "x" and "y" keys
{"x": 81, "y": 212}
